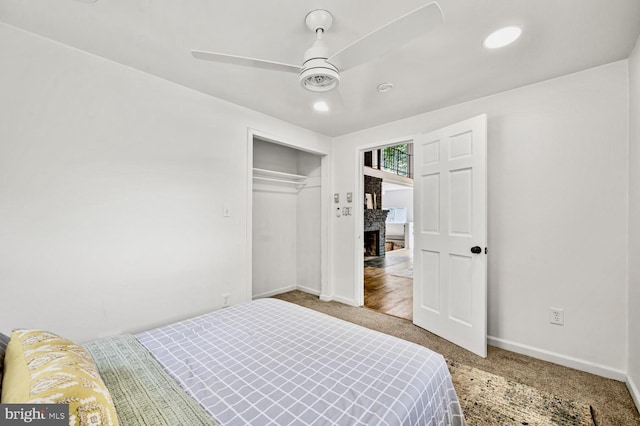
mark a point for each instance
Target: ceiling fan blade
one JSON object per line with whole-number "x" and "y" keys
{"x": 244, "y": 61}
{"x": 388, "y": 37}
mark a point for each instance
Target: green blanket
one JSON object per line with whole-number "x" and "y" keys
{"x": 143, "y": 393}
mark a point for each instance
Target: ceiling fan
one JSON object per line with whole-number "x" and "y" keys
{"x": 320, "y": 70}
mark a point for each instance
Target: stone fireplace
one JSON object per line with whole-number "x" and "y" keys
{"x": 374, "y": 218}
{"x": 371, "y": 246}
{"x": 374, "y": 232}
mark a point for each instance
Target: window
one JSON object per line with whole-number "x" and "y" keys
{"x": 396, "y": 215}
{"x": 392, "y": 159}
{"x": 397, "y": 160}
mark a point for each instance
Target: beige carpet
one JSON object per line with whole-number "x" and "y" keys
{"x": 610, "y": 400}
{"x": 488, "y": 399}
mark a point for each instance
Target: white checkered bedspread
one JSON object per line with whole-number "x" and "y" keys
{"x": 270, "y": 362}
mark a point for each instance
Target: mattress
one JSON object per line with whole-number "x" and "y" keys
{"x": 270, "y": 362}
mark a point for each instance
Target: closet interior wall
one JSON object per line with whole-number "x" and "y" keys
{"x": 286, "y": 220}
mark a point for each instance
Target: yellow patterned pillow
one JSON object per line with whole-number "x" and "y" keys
{"x": 43, "y": 368}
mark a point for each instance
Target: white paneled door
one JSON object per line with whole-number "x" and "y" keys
{"x": 450, "y": 214}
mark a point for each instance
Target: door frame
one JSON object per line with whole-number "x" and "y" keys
{"x": 359, "y": 208}
{"x": 325, "y": 222}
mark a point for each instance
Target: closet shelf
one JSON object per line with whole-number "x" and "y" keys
{"x": 280, "y": 177}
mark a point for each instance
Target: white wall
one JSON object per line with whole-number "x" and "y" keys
{"x": 275, "y": 260}
{"x": 308, "y": 225}
{"x": 400, "y": 198}
{"x": 634, "y": 224}
{"x": 112, "y": 185}
{"x": 557, "y": 169}
{"x": 272, "y": 156}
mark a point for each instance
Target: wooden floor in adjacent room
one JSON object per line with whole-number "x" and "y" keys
{"x": 388, "y": 283}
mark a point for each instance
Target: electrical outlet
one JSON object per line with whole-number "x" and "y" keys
{"x": 226, "y": 299}
{"x": 556, "y": 316}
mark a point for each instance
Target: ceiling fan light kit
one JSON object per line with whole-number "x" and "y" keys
{"x": 317, "y": 74}
{"x": 502, "y": 37}
{"x": 321, "y": 106}
{"x": 320, "y": 78}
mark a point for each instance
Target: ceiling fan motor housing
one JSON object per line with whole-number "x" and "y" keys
{"x": 318, "y": 75}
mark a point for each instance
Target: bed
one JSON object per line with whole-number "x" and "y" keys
{"x": 272, "y": 362}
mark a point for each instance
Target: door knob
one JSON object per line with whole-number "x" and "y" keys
{"x": 476, "y": 250}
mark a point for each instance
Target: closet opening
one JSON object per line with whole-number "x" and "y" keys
{"x": 286, "y": 219}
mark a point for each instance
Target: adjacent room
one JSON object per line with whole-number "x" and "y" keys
{"x": 388, "y": 230}
{"x": 408, "y": 212}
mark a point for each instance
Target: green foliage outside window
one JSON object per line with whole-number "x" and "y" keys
{"x": 395, "y": 159}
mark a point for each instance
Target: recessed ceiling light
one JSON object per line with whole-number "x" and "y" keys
{"x": 502, "y": 37}
{"x": 385, "y": 87}
{"x": 321, "y": 106}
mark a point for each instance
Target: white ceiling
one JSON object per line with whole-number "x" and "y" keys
{"x": 444, "y": 67}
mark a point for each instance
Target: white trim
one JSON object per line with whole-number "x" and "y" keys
{"x": 634, "y": 391}
{"x": 267, "y": 137}
{"x": 388, "y": 177}
{"x": 274, "y": 292}
{"x": 556, "y": 358}
{"x": 359, "y": 222}
{"x": 359, "y": 213}
{"x": 326, "y": 227}
{"x": 346, "y": 301}
{"x": 287, "y": 289}
{"x": 308, "y": 290}
{"x": 249, "y": 226}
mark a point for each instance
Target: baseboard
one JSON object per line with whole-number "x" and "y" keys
{"x": 286, "y": 289}
{"x": 308, "y": 290}
{"x": 556, "y": 358}
{"x": 344, "y": 300}
{"x": 274, "y": 292}
{"x": 634, "y": 391}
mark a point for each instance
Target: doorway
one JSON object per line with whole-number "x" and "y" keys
{"x": 450, "y": 212}
{"x": 387, "y": 230}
